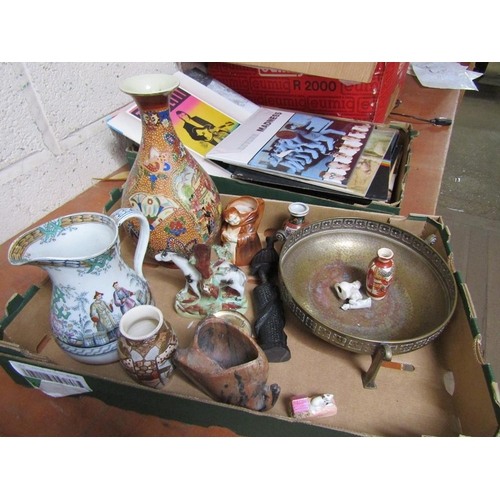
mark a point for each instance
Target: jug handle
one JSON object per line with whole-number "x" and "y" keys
{"x": 123, "y": 214}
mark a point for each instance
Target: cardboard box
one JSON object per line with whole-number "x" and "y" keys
{"x": 451, "y": 392}
{"x": 297, "y": 90}
{"x": 352, "y": 71}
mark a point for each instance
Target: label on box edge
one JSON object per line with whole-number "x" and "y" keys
{"x": 51, "y": 382}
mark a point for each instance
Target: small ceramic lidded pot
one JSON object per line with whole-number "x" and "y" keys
{"x": 380, "y": 274}
{"x": 146, "y": 345}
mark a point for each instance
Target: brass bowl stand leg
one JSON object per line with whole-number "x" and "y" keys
{"x": 382, "y": 353}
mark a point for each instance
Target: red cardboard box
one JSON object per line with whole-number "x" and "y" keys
{"x": 296, "y": 91}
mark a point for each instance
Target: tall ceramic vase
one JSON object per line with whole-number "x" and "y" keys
{"x": 166, "y": 184}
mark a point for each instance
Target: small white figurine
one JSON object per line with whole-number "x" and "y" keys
{"x": 319, "y": 402}
{"x": 350, "y": 291}
{"x": 357, "y": 304}
{"x": 318, "y": 406}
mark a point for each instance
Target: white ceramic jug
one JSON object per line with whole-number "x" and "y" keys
{"x": 92, "y": 286}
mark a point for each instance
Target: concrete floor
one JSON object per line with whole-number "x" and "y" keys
{"x": 471, "y": 182}
{"x": 469, "y": 202}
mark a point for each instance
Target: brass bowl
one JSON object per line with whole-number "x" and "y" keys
{"x": 419, "y": 303}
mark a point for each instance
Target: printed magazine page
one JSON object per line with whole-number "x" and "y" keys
{"x": 204, "y": 113}
{"x": 199, "y": 126}
{"x": 314, "y": 149}
{"x": 128, "y": 123}
{"x": 382, "y": 184}
{"x": 381, "y": 171}
{"x": 371, "y": 175}
{"x": 241, "y": 107}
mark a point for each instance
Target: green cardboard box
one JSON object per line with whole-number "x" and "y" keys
{"x": 451, "y": 392}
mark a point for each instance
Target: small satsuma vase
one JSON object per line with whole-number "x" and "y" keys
{"x": 380, "y": 274}
{"x": 296, "y": 219}
{"x": 179, "y": 199}
{"x": 146, "y": 345}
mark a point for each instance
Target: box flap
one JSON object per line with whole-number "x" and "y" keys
{"x": 352, "y": 71}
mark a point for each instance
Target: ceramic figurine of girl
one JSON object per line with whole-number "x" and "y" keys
{"x": 242, "y": 218}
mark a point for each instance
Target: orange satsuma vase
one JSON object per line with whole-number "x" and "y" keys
{"x": 166, "y": 184}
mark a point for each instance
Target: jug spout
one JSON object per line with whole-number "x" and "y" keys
{"x": 92, "y": 286}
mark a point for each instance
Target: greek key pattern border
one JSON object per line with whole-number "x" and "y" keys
{"x": 349, "y": 343}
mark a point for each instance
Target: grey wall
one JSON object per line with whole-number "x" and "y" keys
{"x": 53, "y": 134}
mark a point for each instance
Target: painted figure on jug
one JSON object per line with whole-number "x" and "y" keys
{"x": 123, "y": 298}
{"x": 105, "y": 324}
